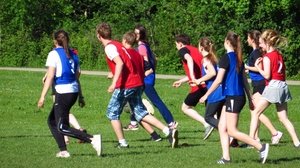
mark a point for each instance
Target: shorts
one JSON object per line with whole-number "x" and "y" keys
{"x": 234, "y": 104}
{"x": 277, "y": 92}
{"x": 258, "y": 86}
{"x": 120, "y": 97}
{"x": 214, "y": 108}
{"x": 192, "y": 99}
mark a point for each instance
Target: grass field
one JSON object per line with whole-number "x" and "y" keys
{"x": 25, "y": 140}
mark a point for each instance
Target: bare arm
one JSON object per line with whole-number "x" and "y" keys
{"x": 190, "y": 64}
{"x": 210, "y": 73}
{"x": 179, "y": 82}
{"x": 48, "y": 83}
{"x": 266, "y": 72}
{"x": 118, "y": 69}
{"x": 215, "y": 84}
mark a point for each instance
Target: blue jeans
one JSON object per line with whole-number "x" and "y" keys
{"x": 120, "y": 97}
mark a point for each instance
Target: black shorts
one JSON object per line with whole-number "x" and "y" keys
{"x": 193, "y": 98}
{"x": 234, "y": 104}
{"x": 214, "y": 108}
{"x": 258, "y": 86}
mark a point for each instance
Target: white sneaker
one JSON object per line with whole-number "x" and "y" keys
{"x": 276, "y": 138}
{"x": 97, "y": 144}
{"x": 264, "y": 154}
{"x": 63, "y": 154}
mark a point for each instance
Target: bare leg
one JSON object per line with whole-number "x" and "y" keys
{"x": 232, "y": 123}
{"x": 189, "y": 111}
{"x": 282, "y": 115}
{"x": 117, "y": 126}
{"x": 224, "y": 138}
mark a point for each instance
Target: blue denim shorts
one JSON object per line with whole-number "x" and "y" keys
{"x": 120, "y": 97}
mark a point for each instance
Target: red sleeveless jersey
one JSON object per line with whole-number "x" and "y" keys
{"x": 197, "y": 58}
{"x": 128, "y": 78}
{"x": 277, "y": 66}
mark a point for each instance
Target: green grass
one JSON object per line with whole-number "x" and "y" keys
{"x": 26, "y": 140}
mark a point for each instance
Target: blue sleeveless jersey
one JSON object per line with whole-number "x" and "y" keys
{"x": 69, "y": 67}
{"x": 150, "y": 79}
{"x": 233, "y": 83}
{"x": 216, "y": 95}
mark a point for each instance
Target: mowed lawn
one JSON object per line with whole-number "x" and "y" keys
{"x": 25, "y": 140}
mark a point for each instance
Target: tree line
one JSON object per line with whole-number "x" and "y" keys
{"x": 27, "y": 27}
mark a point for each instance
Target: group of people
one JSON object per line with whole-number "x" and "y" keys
{"x": 221, "y": 85}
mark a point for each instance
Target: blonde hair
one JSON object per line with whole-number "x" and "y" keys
{"x": 273, "y": 38}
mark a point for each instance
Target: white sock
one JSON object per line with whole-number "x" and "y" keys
{"x": 123, "y": 142}
{"x": 166, "y": 131}
{"x": 133, "y": 122}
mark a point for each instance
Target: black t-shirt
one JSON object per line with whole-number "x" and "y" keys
{"x": 224, "y": 62}
{"x": 182, "y": 52}
{"x": 253, "y": 57}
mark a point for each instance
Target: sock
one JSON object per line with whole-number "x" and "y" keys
{"x": 123, "y": 142}
{"x": 166, "y": 131}
{"x": 133, "y": 122}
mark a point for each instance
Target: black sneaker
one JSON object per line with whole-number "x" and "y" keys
{"x": 122, "y": 146}
{"x": 173, "y": 138}
{"x": 156, "y": 138}
{"x": 223, "y": 161}
{"x": 263, "y": 153}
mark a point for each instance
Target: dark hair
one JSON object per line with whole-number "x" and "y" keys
{"x": 183, "y": 38}
{"x": 235, "y": 42}
{"x": 62, "y": 39}
{"x": 142, "y": 32}
{"x": 129, "y": 37}
{"x": 254, "y": 35}
{"x": 208, "y": 46}
{"x": 104, "y": 30}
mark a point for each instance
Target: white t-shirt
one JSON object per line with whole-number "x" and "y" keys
{"x": 111, "y": 51}
{"x": 53, "y": 60}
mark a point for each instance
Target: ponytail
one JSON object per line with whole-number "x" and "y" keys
{"x": 62, "y": 39}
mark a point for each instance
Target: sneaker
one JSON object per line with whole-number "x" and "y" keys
{"x": 276, "y": 138}
{"x": 63, "y": 154}
{"x": 264, "y": 153}
{"x": 122, "y": 146}
{"x": 173, "y": 138}
{"x": 208, "y": 131}
{"x": 173, "y": 125}
{"x": 97, "y": 144}
{"x": 131, "y": 127}
{"x": 298, "y": 146}
{"x": 234, "y": 143}
{"x": 156, "y": 138}
{"x": 223, "y": 161}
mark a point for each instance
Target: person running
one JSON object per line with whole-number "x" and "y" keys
{"x": 63, "y": 71}
{"x": 216, "y": 100}
{"x": 127, "y": 86}
{"x": 191, "y": 59}
{"x": 149, "y": 80}
{"x": 232, "y": 76}
{"x": 72, "y": 119}
{"x": 276, "y": 90}
{"x": 258, "y": 84}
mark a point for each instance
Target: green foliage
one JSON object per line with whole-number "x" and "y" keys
{"x": 36, "y": 21}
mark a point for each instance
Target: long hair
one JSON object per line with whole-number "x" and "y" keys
{"x": 143, "y": 33}
{"x": 235, "y": 42}
{"x": 208, "y": 46}
{"x": 254, "y": 35}
{"x": 62, "y": 39}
